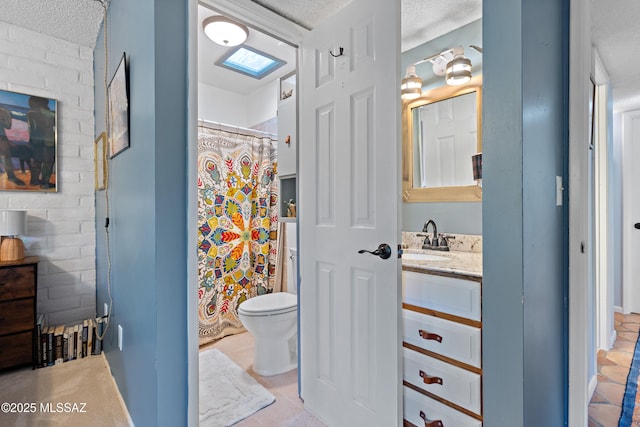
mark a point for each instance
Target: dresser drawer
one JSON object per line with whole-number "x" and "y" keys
{"x": 449, "y": 295}
{"x": 447, "y": 381}
{"x": 16, "y": 316}
{"x": 17, "y": 282}
{"x": 415, "y": 403}
{"x": 16, "y": 349}
{"x": 450, "y": 339}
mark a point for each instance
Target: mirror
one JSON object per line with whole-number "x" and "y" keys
{"x": 441, "y": 131}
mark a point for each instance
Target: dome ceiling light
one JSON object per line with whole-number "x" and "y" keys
{"x": 224, "y": 31}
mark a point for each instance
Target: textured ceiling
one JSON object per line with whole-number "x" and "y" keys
{"x": 616, "y": 32}
{"x": 77, "y": 21}
{"x": 616, "y": 35}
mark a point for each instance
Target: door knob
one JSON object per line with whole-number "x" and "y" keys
{"x": 637, "y": 225}
{"x": 383, "y": 251}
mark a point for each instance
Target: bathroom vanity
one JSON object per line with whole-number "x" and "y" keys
{"x": 442, "y": 336}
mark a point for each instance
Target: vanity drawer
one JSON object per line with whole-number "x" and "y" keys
{"x": 447, "y": 381}
{"x": 415, "y": 403}
{"x": 450, "y": 339}
{"x": 450, "y": 295}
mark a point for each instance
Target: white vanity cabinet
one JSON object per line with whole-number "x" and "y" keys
{"x": 442, "y": 349}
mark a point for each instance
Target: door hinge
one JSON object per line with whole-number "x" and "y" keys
{"x": 400, "y": 251}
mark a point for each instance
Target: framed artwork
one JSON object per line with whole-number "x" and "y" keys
{"x": 28, "y": 142}
{"x": 119, "y": 109}
{"x": 100, "y": 161}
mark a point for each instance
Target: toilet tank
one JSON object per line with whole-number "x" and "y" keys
{"x": 292, "y": 271}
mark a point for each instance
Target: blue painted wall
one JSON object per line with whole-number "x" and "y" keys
{"x": 525, "y": 148}
{"x": 461, "y": 218}
{"x": 147, "y": 211}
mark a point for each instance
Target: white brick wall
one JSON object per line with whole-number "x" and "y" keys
{"x": 60, "y": 226}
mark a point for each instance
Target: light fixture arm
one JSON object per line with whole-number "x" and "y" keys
{"x": 435, "y": 56}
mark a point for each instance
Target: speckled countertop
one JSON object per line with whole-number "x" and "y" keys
{"x": 465, "y": 262}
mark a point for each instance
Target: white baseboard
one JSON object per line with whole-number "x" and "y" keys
{"x": 618, "y": 309}
{"x": 612, "y": 340}
{"x": 593, "y": 383}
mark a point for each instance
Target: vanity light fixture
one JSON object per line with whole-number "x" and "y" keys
{"x": 224, "y": 31}
{"x": 411, "y": 86}
{"x": 450, "y": 63}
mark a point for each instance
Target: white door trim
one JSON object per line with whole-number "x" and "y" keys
{"x": 604, "y": 289}
{"x": 579, "y": 71}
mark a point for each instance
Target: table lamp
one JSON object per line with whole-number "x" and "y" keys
{"x": 12, "y": 224}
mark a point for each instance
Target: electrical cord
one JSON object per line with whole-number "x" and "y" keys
{"x": 104, "y": 4}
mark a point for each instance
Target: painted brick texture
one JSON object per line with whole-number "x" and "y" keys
{"x": 60, "y": 226}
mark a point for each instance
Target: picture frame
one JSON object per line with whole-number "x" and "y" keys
{"x": 28, "y": 142}
{"x": 118, "y": 93}
{"x": 100, "y": 161}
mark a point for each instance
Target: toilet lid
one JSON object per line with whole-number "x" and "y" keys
{"x": 268, "y": 304}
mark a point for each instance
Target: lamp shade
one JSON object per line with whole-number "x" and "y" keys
{"x": 13, "y": 223}
{"x": 458, "y": 71}
{"x": 411, "y": 86}
{"x": 224, "y": 31}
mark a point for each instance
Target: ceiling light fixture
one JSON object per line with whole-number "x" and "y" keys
{"x": 411, "y": 86}
{"x": 224, "y": 31}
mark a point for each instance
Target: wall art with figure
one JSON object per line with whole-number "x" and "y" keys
{"x": 28, "y": 139}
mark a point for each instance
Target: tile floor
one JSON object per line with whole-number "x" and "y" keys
{"x": 287, "y": 410}
{"x": 613, "y": 368}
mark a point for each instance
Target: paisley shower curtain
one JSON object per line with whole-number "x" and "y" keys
{"x": 237, "y": 224}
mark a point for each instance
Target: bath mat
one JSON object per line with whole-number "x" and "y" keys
{"x": 228, "y": 394}
{"x": 630, "y": 415}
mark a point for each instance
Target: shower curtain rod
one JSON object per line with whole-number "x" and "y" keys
{"x": 236, "y": 129}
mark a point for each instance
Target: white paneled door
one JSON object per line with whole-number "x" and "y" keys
{"x": 349, "y": 200}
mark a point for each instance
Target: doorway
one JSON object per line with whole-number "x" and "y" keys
{"x": 246, "y": 191}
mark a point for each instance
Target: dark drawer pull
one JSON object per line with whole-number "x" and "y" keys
{"x": 429, "y": 336}
{"x": 430, "y": 423}
{"x": 429, "y": 379}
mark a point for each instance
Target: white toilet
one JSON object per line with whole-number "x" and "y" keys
{"x": 272, "y": 319}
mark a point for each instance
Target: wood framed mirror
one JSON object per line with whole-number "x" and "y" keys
{"x": 441, "y": 130}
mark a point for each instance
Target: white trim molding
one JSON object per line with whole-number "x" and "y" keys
{"x": 579, "y": 71}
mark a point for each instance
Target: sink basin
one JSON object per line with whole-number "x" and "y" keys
{"x": 423, "y": 257}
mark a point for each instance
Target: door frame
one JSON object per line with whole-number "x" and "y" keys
{"x": 256, "y": 16}
{"x": 605, "y": 333}
{"x": 578, "y": 317}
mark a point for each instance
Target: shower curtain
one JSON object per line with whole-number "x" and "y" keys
{"x": 237, "y": 224}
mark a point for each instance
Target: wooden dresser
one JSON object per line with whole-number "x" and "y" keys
{"x": 18, "y": 296}
{"x": 442, "y": 350}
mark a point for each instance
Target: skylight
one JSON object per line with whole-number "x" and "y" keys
{"x": 250, "y": 62}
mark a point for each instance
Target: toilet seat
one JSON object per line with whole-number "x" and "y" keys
{"x": 269, "y": 305}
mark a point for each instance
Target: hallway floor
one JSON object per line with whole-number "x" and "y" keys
{"x": 613, "y": 368}
{"x": 287, "y": 410}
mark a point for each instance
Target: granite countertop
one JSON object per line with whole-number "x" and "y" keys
{"x": 459, "y": 262}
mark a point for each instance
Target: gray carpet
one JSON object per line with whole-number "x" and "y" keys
{"x": 84, "y": 387}
{"x": 228, "y": 394}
